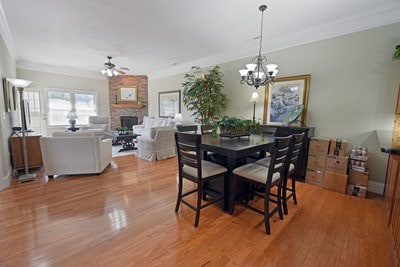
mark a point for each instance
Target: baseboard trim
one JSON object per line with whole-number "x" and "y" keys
{"x": 376, "y": 187}
{"x": 5, "y": 181}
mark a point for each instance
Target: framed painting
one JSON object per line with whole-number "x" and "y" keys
{"x": 169, "y": 103}
{"x": 9, "y": 93}
{"x": 128, "y": 94}
{"x": 283, "y": 97}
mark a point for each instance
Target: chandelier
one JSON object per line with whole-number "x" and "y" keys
{"x": 256, "y": 75}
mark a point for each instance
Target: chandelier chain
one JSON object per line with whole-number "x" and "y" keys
{"x": 261, "y": 33}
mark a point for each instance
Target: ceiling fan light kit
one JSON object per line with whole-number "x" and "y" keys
{"x": 255, "y": 73}
{"x": 111, "y": 70}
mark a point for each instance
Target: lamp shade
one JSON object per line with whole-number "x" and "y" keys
{"x": 19, "y": 82}
{"x": 72, "y": 114}
{"x": 254, "y": 97}
{"x": 178, "y": 117}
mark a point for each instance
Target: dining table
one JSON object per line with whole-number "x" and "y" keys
{"x": 235, "y": 149}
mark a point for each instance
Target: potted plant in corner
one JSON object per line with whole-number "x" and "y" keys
{"x": 202, "y": 94}
{"x": 396, "y": 54}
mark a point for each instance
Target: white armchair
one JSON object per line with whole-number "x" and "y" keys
{"x": 159, "y": 144}
{"x": 98, "y": 125}
{"x": 75, "y": 153}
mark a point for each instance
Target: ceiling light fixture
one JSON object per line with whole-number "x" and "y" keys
{"x": 111, "y": 70}
{"x": 255, "y": 74}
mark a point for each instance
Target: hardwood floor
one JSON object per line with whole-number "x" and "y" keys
{"x": 125, "y": 217}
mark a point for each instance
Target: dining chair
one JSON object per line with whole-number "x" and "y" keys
{"x": 293, "y": 159}
{"x": 260, "y": 176}
{"x": 187, "y": 128}
{"x": 193, "y": 168}
{"x": 206, "y": 128}
{"x": 290, "y": 167}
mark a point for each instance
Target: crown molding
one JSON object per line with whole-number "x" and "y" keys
{"x": 63, "y": 70}
{"x": 385, "y": 15}
{"x": 6, "y": 34}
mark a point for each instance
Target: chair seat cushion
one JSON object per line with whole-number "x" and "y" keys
{"x": 208, "y": 169}
{"x": 256, "y": 172}
{"x": 265, "y": 162}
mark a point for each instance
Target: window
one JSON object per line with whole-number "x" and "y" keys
{"x": 32, "y": 98}
{"x": 59, "y": 102}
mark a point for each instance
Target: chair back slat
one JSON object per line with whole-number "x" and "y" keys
{"x": 206, "y": 129}
{"x": 188, "y": 150}
{"x": 279, "y": 154}
{"x": 296, "y": 146}
{"x": 187, "y": 128}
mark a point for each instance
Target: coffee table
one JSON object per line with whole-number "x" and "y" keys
{"x": 126, "y": 141}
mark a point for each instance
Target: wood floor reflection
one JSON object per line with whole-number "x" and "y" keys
{"x": 125, "y": 216}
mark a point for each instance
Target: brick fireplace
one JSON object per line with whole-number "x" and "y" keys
{"x": 120, "y": 107}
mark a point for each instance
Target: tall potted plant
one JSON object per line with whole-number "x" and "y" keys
{"x": 202, "y": 94}
{"x": 396, "y": 54}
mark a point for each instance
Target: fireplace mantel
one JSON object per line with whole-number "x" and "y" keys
{"x": 132, "y": 105}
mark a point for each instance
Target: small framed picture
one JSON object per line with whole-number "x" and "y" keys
{"x": 128, "y": 94}
{"x": 169, "y": 103}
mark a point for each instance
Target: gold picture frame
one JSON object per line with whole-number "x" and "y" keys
{"x": 283, "y": 96}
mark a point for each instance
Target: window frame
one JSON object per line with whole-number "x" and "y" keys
{"x": 72, "y": 93}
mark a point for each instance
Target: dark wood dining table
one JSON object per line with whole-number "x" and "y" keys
{"x": 235, "y": 149}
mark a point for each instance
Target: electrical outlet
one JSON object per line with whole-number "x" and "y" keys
{"x": 4, "y": 116}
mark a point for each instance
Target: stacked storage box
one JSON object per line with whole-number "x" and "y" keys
{"x": 318, "y": 149}
{"x": 358, "y": 174}
{"x": 335, "y": 177}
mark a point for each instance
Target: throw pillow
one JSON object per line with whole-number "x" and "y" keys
{"x": 149, "y": 123}
{"x": 170, "y": 122}
{"x": 159, "y": 122}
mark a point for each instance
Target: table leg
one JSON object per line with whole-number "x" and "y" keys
{"x": 229, "y": 204}
{"x": 127, "y": 144}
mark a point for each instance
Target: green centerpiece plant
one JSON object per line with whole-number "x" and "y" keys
{"x": 121, "y": 130}
{"x": 203, "y": 95}
{"x": 236, "y": 127}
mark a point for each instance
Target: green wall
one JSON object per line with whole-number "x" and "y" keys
{"x": 353, "y": 90}
{"x": 7, "y": 70}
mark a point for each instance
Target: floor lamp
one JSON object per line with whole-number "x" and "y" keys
{"x": 21, "y": 84}
{"x": 254, "y": 97}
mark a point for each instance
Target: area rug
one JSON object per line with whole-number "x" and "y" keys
{"x": 116, "y": 153}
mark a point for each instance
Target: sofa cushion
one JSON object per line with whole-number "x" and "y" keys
{"x": 149, "y": 123}
{"x": 98, "y": 126}
{"x": 72, "y": 134}
{"x": 170, "y": 122}
{"x": 159, "y": 122}
{"x": 151, "y": 133}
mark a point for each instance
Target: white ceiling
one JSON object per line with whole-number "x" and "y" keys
{"x": 160, "y": 37}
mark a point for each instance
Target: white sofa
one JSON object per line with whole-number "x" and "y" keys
{"x": 151, "y": 122}
{"x": 75, "y": 153}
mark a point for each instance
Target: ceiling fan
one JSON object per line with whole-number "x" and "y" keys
{"x": 111, "y": 70}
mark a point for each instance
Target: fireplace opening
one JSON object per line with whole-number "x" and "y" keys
{"x": 128, "y": 121}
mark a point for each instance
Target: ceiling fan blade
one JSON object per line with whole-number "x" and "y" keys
{"x": 124, "y": 68}
{"x": 120, "y": 71}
